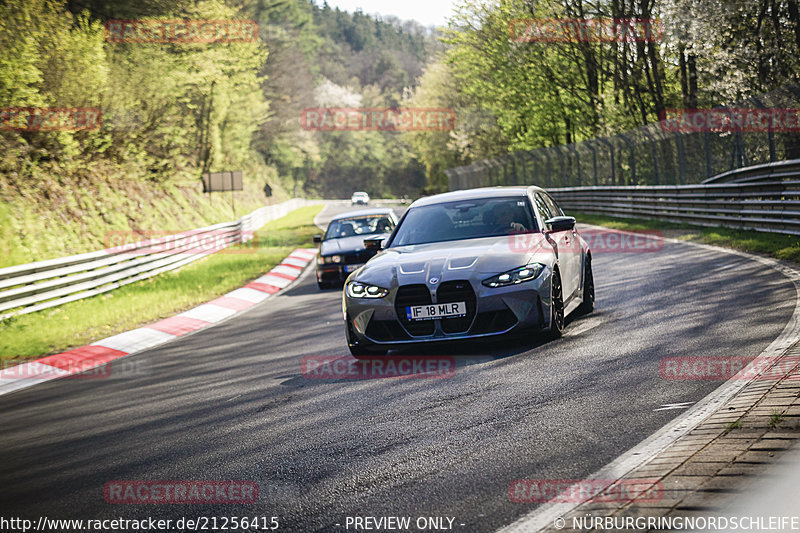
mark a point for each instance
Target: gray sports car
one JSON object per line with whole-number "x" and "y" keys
{"x": 469, "y": 264}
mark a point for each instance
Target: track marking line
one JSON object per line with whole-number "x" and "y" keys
{"x": 674, "y": 406}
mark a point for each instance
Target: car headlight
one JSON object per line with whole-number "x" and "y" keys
{"x": 329, "y": 259}
{"x": 512, "y": 277}
{"x": 365, "y": 290}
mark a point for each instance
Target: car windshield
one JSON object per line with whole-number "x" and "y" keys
{"x": 350, "y": 227}
{"x": 467, "y": 219}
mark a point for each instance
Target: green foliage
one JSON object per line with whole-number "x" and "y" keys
{"x": 78, "y": 323}
{"x": 545, "y": 93}
{"x": 326, "y": 57}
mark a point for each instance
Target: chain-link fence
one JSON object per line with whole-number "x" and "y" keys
{"x": 661, "y": 153}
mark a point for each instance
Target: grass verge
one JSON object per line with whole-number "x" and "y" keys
{"x": 85, "y": 321}
{"x": 780, "y": 246}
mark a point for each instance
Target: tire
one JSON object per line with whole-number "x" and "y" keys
{"x": 587, "y": 306}
{"x": 557, "y": 318}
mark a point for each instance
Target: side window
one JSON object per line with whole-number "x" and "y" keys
{"x": 553, "y": 205}
{"x": 543, "y": 208}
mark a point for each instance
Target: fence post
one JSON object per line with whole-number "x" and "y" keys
{"x": 770, "y": 131}
{"x": 594, "y": 160}
{"x": 563, "y": 166}
{"x": 549, "y": 165}
{"x": 571, "y": 147}
{"x": 681, "y": 158}
{"x": 613, "y": 165}
{"x": 632, "y": 158}
{"x": 533, "y": 178}
{"x": 654, "y": 150}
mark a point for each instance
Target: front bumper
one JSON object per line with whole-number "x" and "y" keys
{"x": 496, "y": 311}
{"x": 334, "y": 272}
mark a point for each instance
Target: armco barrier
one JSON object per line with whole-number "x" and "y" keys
{"x": 761, "y": 198}
{"x": 43, "y": 284}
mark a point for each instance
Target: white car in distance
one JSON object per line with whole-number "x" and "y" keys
{"x": 359, "y": 198}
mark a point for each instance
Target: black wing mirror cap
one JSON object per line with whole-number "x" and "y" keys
{"x": 562, "y": 223}
{"x": 317, "y": 239}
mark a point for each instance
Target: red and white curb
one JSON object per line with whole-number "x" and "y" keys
{"x": 105, "y": 350}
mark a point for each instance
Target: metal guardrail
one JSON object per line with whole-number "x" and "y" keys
{"x": 762, "y": 198}
{"x": 43, "y": 284}
{"x": 778, "y": 170}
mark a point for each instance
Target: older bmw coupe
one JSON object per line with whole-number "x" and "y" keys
{"x": 469, "y": 264}
{"x": 342, "y": 247}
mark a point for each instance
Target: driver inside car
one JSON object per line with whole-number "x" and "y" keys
{"x": 504, "y": 219}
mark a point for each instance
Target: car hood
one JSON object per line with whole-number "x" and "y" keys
{"x": 348, "y": 244}
{"x": 456, "y": 259}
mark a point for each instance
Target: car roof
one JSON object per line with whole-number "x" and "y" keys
{"x": 364, "y": 212}
{"x": 475, "y": 194}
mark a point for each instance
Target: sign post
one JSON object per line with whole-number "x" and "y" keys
{"x": 223, "y": 181}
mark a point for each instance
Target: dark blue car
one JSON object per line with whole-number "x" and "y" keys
{"x": 342, "y": 249}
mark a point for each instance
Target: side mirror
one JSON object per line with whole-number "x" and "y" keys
{"x": 561, "y": 223}
{"x": 317, "y": 239}
{"x": 373, "y": 244}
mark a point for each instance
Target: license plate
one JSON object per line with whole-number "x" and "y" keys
{"x": 351, "y": 268}
{"x": 433, "y": 311}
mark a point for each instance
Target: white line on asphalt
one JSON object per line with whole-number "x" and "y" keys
{"x": 674, "y": 406}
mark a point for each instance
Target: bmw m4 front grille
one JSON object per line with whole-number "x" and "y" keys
{"x": 447, "y": 292}
{"x": 413, "y": 295}
{"x": 457, "y": 291}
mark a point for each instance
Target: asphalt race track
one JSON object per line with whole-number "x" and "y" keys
{"x": 230, "y": 403}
